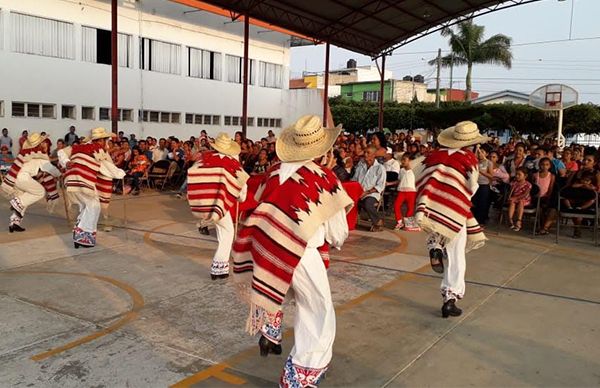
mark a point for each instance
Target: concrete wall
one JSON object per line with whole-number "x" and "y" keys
{"x": 404, "y": 91}
{"x": 33, "y": 78}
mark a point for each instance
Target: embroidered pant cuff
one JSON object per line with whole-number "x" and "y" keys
{"x": 219, "y": 268}
{"x": 272, "y": 330}
{"x": 296, "y": 376}
{"x": 448, "y": 294}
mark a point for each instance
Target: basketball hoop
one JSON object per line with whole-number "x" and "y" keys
{"x": 553, "y": 99}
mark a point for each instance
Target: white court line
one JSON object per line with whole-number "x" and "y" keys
{"x": 471, "y": 311}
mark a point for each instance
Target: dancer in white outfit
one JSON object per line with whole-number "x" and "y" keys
{"x": 215, "y": 183}
{"x": 446, "y": 181}
{"x": 30, "y": 178}
{"x": 301, "y": 211}
{"x": 86, "y": 163}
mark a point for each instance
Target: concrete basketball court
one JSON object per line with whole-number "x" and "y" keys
{"x": 140, "y": 310}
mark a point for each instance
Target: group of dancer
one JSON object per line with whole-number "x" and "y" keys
{"x": 283, "y": 243}
{"x": 87, "y": 172}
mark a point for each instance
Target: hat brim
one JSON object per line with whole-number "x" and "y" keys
{"x": 446, "y": 139}
{"x": 288, "y": 151}
{"x": 28, "y": 144}
{"x": 105, "y": 136}
{"x": 233, "y": 149}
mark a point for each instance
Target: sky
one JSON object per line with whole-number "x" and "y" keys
{"x": 574, "y": 62}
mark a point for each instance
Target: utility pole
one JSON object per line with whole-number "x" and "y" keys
{"x": 437, "y": 80}
{"x": 449, "y": 96}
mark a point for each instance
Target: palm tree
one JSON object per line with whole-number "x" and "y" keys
{"x": 468, "y": 47}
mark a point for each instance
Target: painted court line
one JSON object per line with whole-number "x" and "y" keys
{"x": 464, "y": 317}
{"x": 137, "y": 304}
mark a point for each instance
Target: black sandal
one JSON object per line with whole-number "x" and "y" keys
{"x": 436, "y": 260}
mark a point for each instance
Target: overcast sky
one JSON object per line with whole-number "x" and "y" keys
{"x": 575, "y": 62}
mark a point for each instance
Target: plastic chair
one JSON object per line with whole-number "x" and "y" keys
{"x": 587, "y": 214}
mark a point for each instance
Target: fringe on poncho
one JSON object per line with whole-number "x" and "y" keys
{"x": 444, "y": 196}
{"x": 45, "y": 179}
{"x": 214, "y": 185}
{"x": 275, "y": 235}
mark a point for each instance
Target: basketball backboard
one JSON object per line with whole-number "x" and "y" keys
{"x": 553, "y": 97}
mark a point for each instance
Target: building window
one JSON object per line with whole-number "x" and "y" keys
{"x": 33, "y": 109}
{"x": 235, "y": 120}
{"x": 97, "y": 43}
{"x": 235, "y": 70}
{"x": 250, "y": 122}
{"x": 88, "y": 113}
{"x": 227, "y": 120}
{"x": 189, "y": 118}
{"x": 216, "y": 120}
{"x": 161, "y": 117}
{"x": 42, "y": 36}
{"x": 207, "y": 119}
{"x": 1, "y": 108}
{"x": 160, "y": 56}
{"x": 68, "y": 112}
{"x": 104, "y": 114}
{"x": 197, "y": 119}
{"x": 204, "y": 64}
{"x": 278, "y": 123}
{"x": 268, "y": 122}
{"x": 18, "y": 109}
{"x": 371, "y": 96}
{"x": 259, "y": 122}
{"x": 126, "y": 114}
{"x": 271, "y": 75}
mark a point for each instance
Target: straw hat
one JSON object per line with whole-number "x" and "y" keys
{"x": 306, "y": 139}
{"x": 225, "y": 145}
{"x": 34, "y": 140}
{"x": 99, "y": 133}
{"x": 461, "y": 135}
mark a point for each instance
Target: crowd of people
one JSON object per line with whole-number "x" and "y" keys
{"x": 515, "y": 174}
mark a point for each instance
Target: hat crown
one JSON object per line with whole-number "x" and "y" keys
{"x": 33, "y": 138}
{"x": 308, "y": 131}
{"x": 223, "y": 140}
{"x": 465, "y": 131}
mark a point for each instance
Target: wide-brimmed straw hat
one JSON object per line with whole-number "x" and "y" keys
{"x": 99, "y": 133}
{"x": 305, "y": 139}
{"x": 461, "y": 135}
{"x": 34, "y": 140}
{"x": 225, "y": 145}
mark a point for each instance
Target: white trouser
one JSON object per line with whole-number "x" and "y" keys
{"x": 31, "y": 191}
{"x": 453, "y": 284}
{"x": 314, "y": 324}
{"x": 225, "y": 235}
{"x": 89, "y": 211}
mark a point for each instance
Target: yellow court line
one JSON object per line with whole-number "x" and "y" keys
{"x": 216, "y": 370}
{"x": 136, "y": 297}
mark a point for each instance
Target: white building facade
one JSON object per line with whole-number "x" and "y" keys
{"x": 180, "y": 70}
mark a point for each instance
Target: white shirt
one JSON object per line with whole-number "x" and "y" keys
{"x": 34, "y": 166}
{"x": 334, "y": 230}
{"x": 407, "y": 180}
{"x": 392, "y": 165}
{"x": 158, "y": 154}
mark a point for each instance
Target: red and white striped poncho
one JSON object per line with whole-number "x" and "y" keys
{"x": 45, "y": 179}
{"x": 444, "y": 195}
{"x": 275, "y": 235}
{"x": 82, "y": 176}
{"x": 214, "y": 185}
{"x": 103, "y": 183}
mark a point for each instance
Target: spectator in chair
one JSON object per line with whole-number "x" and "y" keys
{"x": 371, "y": 176}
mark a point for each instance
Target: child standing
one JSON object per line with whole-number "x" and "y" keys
{"x": 520, "y": 196}
{"x": 407, "y": 193}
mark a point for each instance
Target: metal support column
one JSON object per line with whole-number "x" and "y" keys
{"x": 381, "y": 92}
{"x": 326, "y": 85}
{"x": 245, "y": 77}
{"x": 114, "y": 63}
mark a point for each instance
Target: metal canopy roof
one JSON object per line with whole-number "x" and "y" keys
{"x": 370, "y": 27}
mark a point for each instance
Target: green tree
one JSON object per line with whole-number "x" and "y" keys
{"x": 468, "y": 48}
